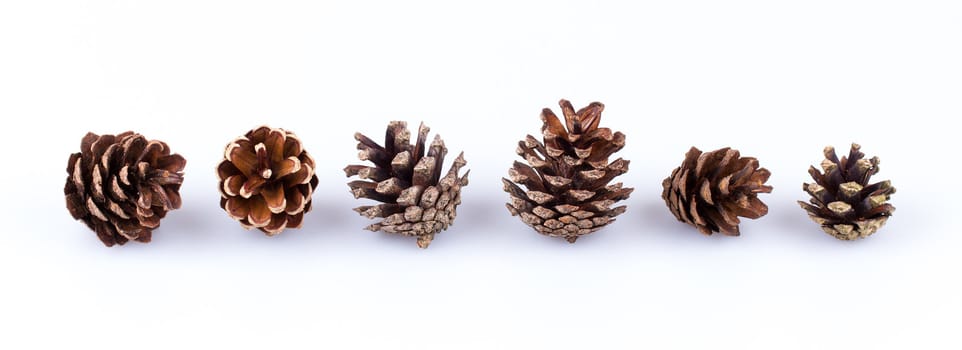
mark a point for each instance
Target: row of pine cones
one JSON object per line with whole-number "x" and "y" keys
{"x": 121, "y": 185}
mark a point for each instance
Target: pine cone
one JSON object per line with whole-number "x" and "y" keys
{"x": 843, "y": 202}
{"x": 266, "y": 180}
{"x": 121, "y": 186}
{"x": 711, "y": 190}
{"x": 417, "y": 200}
{"x": 567, "y": 178}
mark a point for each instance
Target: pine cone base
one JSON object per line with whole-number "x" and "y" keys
{"x": 433, "y": 213}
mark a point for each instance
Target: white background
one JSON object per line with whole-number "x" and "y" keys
{"x": 777, "y": 80}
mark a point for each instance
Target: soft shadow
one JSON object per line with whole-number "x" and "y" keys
{"x": 329, "y": 225}
{"x": 483, "y": 214}
{"x": 657, "y": 217}
{"x": 662, "y": 226}
{"x": 194, "y": 224}
{"x": 790, "y": 216}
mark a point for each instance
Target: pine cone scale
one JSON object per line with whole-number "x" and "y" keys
{"x": 274, "y": 197}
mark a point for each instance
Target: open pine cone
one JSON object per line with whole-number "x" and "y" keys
{"x": 266, "y": 180}
{"x": 711, "y": 190}
{"x": 843, "y": 202}
{"x": 567, "y": 176}
{"x": 120, "y": 186}
{"x": 417, "y": 201}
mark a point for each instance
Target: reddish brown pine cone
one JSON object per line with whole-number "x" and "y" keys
{"x": 711, "y": 190}
{"x": 266, "y": 180}
{"x": 120, "y": 186}
{"x": 567, "y": 177}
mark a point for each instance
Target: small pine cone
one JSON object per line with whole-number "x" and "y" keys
{"x": 711, "y": 190}
{"x": 843, "y": 202}
{"x": 122, "y": 185}
{"x": 417, "y": 200}
{"x": 567, "y": 176}
{"x": 266, "y": 180}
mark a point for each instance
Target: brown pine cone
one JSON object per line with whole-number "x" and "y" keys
{"x": 711, "y": 190}
{"x": 121, "y": 186}
{"x": 266, "y": 180}
{"x": 417, "y": 201}
{"x": 567, "y": 176}
{"x": 843, "y": 202}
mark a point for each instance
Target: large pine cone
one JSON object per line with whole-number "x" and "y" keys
{"x": 567, "y": 178}
{"x": 417, "y": 200}
{"x": 711, "y": 190}
{"x": 121, "y": 186}
{"x": 266, "y": 180}
{"x": 843, "y": 202}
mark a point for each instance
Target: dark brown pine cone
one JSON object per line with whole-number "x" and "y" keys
{"x": 417, "y": 201}
{"x": 121, "y": 186}
{"x": 711, "y": 190}
{"x": 843, "y": 202}
{"x": 567, "y": 176}
{"x": 266, "y": 180}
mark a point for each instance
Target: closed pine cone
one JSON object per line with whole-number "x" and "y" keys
{"x": 417, "y": 201}
{"x": 266, "y": 180}
{"x": 120, "y": 186}
{"x": 711, "y": 190}
{"x": 567, "y": 175}
{"x": 843, "y": 202}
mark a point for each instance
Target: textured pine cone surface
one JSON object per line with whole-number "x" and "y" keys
{"x": 120, "y": 186}
{"x": 266, "y": 180}
{"x": 566, "y": 177}
{"x": 416, "y": 200}
{"x": 711, "y": 190}
{"x": 843, "y": 202}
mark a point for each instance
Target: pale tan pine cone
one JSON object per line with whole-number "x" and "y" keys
{"x": 406, "y": 178}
